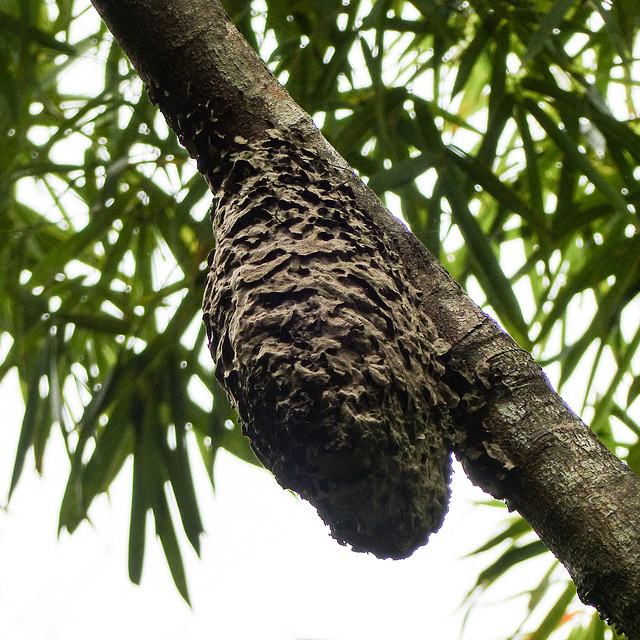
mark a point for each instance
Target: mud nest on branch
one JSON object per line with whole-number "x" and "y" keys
{"x": 321, "y": 344}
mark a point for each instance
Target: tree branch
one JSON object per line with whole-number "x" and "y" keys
{"x": 513, "y": 434}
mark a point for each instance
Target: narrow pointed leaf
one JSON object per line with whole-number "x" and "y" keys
{"x": 30, "y": 419}
{"x": 495, "y": 284}
{"x": 468, "y": 59}
{"x": 479, "y": 174}
{"x": 169, "y": 540}
{"x": 510, "y": 558}
{"x": 574, "y": 155}
{"x": 550, "y": 21}
{"x": 401, "y": 173}
{"x": 137, "y": 525}
{"x": 554, "y": 618}
{"x": 514, "y": 531}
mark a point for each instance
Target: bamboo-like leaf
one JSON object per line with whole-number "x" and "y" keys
{"x": 550, "y": 21}
{"x": 609, "y": 309}
{"x": 594, "y": 271}
{"x": 533, "y": 174}
{"x": 75, "y": 245}
{"x": 98, "y": 322}
{"x": 116, "y": 252}
{"x": 495, "y": 284}
{"x": 114, "y": 445}
{"x": 574, "y": 155}
{"x": 591, "y": 105}
{"x": 179, "y": 469}
{"x": 169, "y": 540}
{"x": 401, "y": 173}
{"x": 77, "y": 497}
{"x": 29, "y": 426}
{"x": 605, "y": 404}
{"x": 634, "y": 391}
{"x": 510, "y": 558}
{"x": 431, "y": 237}
{"x": 55, "y": 389}
{"x": 498, "y": 82}
{"x": 633, "y": 457}
{"x": 177, "y": 460}
{"x": 431, "y": 140}
{"x": 596, "y": 629}
{"x": 618, "y": 412}
{"x": 137, "y": 525}
{"x": 514, "y": 531}
{"x": 12, "y": 27}
{"x": 538, "y": 593}
{"x": 469, "y": 58}
{"x": 554, "y": 618}
{"x": 479, "y": 174}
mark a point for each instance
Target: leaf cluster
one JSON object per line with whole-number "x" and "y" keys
{"x": 504, "y": 133}
{"x": 105, "y": 239}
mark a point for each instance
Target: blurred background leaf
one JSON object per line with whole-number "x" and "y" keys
{"x": 504, "y": 133}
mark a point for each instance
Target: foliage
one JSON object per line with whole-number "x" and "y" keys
{"x": 105, "y": 246}
{"x": 504, "y": 133}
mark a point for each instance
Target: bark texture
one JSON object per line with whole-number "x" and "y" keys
{"x": 319, "y": 296}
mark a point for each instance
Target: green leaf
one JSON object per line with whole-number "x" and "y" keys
{"x": 169, "y": 540}
{"x": 469, "y": 59}
{"x": 29, "y": 427}
{"x": 495, "y": 284}
{"x": 401, "y": 173}
{"x": 514, "y": 531}
{"x": 12, "y": 27}
{"x": 596, "y": 629}
{"x": 554, "y": 618}
{"x": 55, "y": 389}
{"x": 634, "y": 391}
{"x": 509, "y": 559}
{"x": 479, "y": 174}
{"x": 184, "y": 492}
{"x": 114, "y": 445}
{"x": 138, "y": 522}
{"x": 574, "y": 155}
{"x": 604, "y": 405}
{"x": 532, "y": 171}
{"x": 550, "y": 21}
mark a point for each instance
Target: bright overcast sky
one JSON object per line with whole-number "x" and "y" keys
{"x": 269, "y": 569}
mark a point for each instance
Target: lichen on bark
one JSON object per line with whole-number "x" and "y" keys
{"x": 320, "y": 341}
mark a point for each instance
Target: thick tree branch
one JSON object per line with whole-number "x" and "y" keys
{"x": 513, "y": 434}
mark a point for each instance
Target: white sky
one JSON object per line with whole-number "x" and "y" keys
{"x": 268, "y": 570}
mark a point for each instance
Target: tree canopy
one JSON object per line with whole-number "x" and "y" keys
{"x": 505, "y": 134}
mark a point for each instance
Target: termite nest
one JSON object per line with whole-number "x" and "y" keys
{"x": 320, "y": 342}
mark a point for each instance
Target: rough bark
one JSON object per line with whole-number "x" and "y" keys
{"x": 352, "y": 356}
